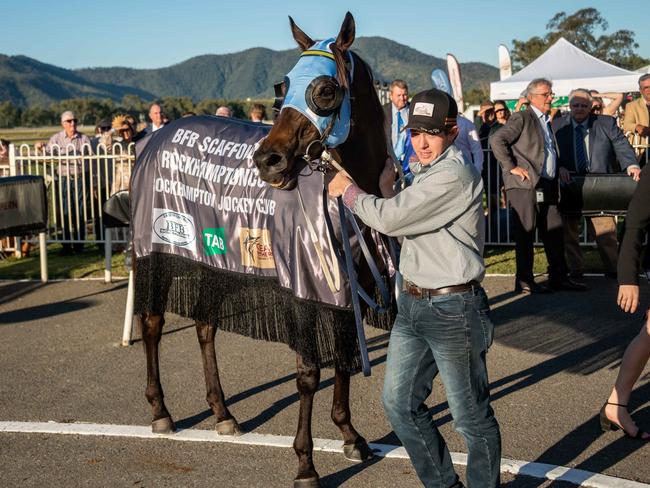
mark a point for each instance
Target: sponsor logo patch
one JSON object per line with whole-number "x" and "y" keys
{"x": 422, "y": 108}
{"x": 173, "y": 228}
{"x": 214, "y": 241}
{"x": 256, "y": 249}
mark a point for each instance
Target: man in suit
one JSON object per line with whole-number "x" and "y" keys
{"x": 637, "y": 117}
{"x": 156, "y": 115}
{"x": 591, "y": 143}
{"x": 527, "y": 151}
{"x": 396, "y": 116}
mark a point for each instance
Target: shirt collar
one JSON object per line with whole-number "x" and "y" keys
{"x": 576, "y": 124}
{"x": 540, "y": 114}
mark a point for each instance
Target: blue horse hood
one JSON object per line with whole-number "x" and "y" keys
{"x": 317, "y": 61}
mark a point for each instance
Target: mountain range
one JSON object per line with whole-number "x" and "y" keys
{"x": 250, "y": 73}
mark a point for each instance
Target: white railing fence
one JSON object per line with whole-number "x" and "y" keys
{"x": 78, "y": 182}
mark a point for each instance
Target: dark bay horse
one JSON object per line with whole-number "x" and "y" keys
{"x": 363, "y": 152}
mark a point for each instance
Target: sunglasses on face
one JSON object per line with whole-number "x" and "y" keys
{"x": 71, "y": 121}
{"x": 499, "y": 110}
{"x": 123, "y": 131}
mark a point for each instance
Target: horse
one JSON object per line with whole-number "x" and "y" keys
{"x": 293, "y": 143}
{"x": 363, "y": 142}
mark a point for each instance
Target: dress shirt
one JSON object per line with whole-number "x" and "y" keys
{"x": 61, "y": 144}
{"x": 469, "y": 143}
{"x": 398, "y": 138}
{"x": 550, "y": 156}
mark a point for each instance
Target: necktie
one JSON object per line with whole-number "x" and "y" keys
{"x": 581, "y": 156}
{"x": 400, "y": 139}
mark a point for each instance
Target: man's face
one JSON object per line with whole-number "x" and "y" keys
{"x": 541, "y": 98}
{"x": 580, "y": 108}
{"x": 156, "y": 115}
{"x": 644, "y": 88}
{"x": 69, "y": 125}
{"x": 399, "y": 97}
{"x": 428, "y": 146}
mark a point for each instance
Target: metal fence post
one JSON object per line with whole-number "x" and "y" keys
{"x": 108, "y": 250}
{"x": 42, "y": 242}
{"x": 128, "y": 313}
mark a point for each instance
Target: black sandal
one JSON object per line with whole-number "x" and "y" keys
{"x": 606, "y": 424}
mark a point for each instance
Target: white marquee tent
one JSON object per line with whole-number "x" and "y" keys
{"x": 568, "y": 68}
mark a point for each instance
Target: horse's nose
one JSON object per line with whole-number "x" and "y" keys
{"x": 268, "y": 159}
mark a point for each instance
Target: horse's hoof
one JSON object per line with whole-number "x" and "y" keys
{"x": 163, "y": 426}
{"x": 357, "y": 452}
{"x": 307, "y": 483}
{"x": 228, "y": 427}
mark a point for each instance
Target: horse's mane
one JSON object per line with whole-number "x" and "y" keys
{"x": 367, "y": 154}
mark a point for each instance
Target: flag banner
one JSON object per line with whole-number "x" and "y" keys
{"x": 505, "y": 66}
{"x": 440, "y": 81}
{"x": 216, "y": 243}
{"x": 453, "y": 68}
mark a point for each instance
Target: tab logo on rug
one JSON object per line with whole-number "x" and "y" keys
{"x": 174, "y": 228}
{"x": 256, "y": 249}
{"x": 214, "y": 241}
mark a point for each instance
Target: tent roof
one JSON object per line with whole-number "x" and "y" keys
{"x": 568, "y": 68}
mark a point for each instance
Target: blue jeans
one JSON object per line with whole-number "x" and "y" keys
{"x": 449, "y": 334}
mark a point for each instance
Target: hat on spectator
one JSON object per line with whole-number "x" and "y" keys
{"x": 432, "y": 111}
{"x": 67, "y": 115}
{"x": 485, "y": 106}
{"x": 104, "y": 124}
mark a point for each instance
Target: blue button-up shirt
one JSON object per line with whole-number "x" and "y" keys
{"x": 550, "y": 156}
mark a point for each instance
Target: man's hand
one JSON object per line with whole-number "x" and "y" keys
{"x": 339, "y": 184}
{"x": 642, "y": 130}
{"x": 634, "y": 172}
{"x": 565, "y": 176}
{"x": 387, "y": 179}
{"x": 628, "y": 297}
{"x": 521, "y": 172}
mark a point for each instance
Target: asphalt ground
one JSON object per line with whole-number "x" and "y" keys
{"x": 554, "y": 360}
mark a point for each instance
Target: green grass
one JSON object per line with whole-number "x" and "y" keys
{"x": 31, "y": 135}
{"x": 501, "y": 260}
{"x": 89, "y": 264}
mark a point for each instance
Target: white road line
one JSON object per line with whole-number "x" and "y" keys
{"x": 535, "y": 470}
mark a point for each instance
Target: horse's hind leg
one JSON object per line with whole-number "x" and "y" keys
{"x": 151, "y": 326}
{"x": 355, "y": 447}
{"x": 226, "y": 423}
{"x": 307, "y": 379}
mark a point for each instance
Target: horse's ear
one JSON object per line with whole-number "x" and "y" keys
{"x": 346, "y": 34}
{"x": 303, "y": 40}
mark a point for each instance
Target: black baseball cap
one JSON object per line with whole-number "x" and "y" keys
{"x": 432, "y": 111}
{"x": 104, "y": 124}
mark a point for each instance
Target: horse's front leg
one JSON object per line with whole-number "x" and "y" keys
{"x": 151, "y": 326}
{"x": 226, "y": 423}
{"x": 355, "y": 447}
{"x": 307, "y": 379}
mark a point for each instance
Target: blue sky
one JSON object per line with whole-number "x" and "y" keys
{"x": 153, "y": 34}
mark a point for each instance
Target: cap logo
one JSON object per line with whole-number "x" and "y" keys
{"x": 422, "y": 108}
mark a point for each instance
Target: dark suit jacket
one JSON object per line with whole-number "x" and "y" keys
{"x": 520, "y": 142}
{"x": 388, "y": 119}
{"x": 609, "y": 150}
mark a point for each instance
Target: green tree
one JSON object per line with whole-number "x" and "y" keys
{"x": 9, "y": 115}
{"x": 586, "y": 30}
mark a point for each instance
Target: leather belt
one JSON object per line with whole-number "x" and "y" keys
{"x": 418, "y": 292}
